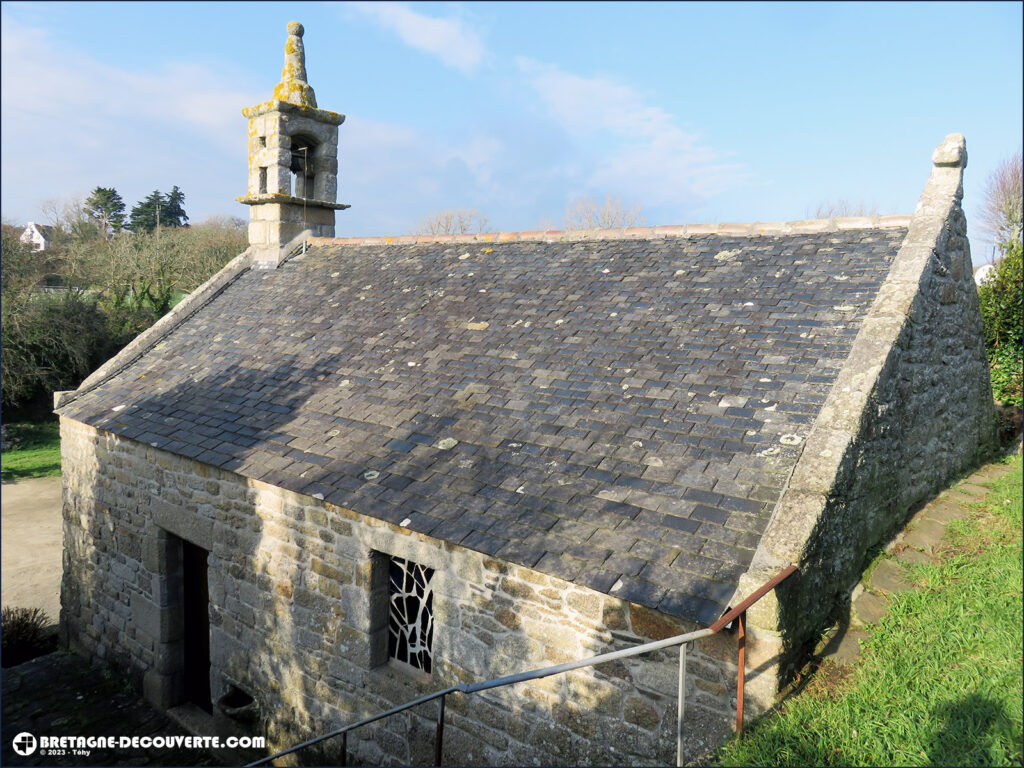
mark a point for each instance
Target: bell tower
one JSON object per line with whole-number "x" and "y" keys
{"x": 293, "y": 162}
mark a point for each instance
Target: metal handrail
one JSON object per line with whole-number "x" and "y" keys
{"x": 733, "y": 614}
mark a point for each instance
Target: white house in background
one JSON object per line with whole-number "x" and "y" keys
{"x": 38, "y": 235}
{"x": 983, "y": 273}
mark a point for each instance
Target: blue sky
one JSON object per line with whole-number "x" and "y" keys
{"x": 698, "y": 112}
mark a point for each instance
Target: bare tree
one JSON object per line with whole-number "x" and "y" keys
{"x": 586, "y": 213}
{"x": 138, "y": 270}
{"x": 48, "y": 339}
{"x": 55, "y": 211}
{"x": 68, "y": 218}
{"x": 205, "y": 248}
{"x": 842, "y": 209}
{"x": 110, "y": 290}
{"x": 21, "y": 271}
{"x": 1001, "y": 208}
{"x": 456, "y": 221}
{"x": 223, "y": 221}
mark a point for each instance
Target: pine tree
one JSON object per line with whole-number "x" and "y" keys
{"x": 161, "y": 210}
{"x": 174, "y": 215}
{"x": 145, "y": 215}
{"x": 105, "y": 206}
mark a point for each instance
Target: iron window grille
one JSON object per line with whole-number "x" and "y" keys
{"x": 411, "y": 614}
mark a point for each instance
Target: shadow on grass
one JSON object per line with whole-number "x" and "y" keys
{"x": 974, "y": 730}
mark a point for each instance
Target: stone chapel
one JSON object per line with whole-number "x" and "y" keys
{"x": 346, "y": 472}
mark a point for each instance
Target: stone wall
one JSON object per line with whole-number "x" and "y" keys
{"x": 294, "y": 622}
{"x": 911, "y": 410}
{"x": 272, "y": 225}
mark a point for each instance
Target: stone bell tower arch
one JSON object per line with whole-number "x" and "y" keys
{"x": 293, "y": 162}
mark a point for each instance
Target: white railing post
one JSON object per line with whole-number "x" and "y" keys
{"x": 682, "y": 704}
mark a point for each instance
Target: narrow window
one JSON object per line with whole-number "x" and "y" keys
{"x": 411, "y": 617}
{"x": 263, "y": 141}
{"x": 263, "y": 180}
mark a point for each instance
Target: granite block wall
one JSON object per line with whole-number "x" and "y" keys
{"x": 294, "y": 608}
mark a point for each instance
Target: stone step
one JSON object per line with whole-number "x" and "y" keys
{"x": 989, "y": 472}
{"x": 915, "y": 545}
{"x": 965, "y": 493}
{"x": 889, "y": 576}
{"x": 844, "y": 647}
{"x": 943, "y": 511}
{"x": 973, "y": 490}
{"x": 924, "y": 534}
{"x": 911, "y": 556}
{"x": 870, "y": 608}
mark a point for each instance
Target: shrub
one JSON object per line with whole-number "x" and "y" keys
{"x": 1006, "y": 364}
{"x": 1002, "y": 312}
{"x": 50, "y": 342}
{"x": 24, "y": 635}
{"x": 68, "y": 311}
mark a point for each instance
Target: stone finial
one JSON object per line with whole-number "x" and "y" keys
{"x": 293, "y": 87}
{"x": 951, "y": 152}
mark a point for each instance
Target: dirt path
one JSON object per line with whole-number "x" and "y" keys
{"x": 32, "y": 545}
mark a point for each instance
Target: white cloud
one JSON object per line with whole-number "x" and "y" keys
{"x": 448, "y": 39}
{"x": 479, "y": 154}
{"x": 645, "y": 156}
{"x": 71, "y": 123}
{"x": 44, "y": 80}
{"x": 395, "y": 176}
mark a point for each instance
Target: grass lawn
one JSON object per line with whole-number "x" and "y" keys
{"x": 37, "y": 453}
{"x": 940, "y": 680}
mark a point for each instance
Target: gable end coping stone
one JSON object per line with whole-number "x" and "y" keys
{"x": 805, "y": 498}
{"x": 152, "y": 336}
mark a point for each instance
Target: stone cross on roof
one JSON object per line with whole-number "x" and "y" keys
{"x": 293, "y": 87}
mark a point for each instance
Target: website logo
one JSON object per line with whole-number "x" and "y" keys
{"x": 24, "y": 744}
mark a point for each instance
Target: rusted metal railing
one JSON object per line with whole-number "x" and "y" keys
{"x": 738, "y": 614}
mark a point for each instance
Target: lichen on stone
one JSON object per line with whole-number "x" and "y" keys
{"x": 293, "y": 87}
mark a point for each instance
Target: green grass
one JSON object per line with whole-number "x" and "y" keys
{"x": 940, "y": 681}
{"x": 37, "y": 453}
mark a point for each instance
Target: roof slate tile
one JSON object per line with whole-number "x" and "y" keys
{"x": 641, "y": 434}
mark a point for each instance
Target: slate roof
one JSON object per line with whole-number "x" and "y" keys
{"x": 621, "y": 413}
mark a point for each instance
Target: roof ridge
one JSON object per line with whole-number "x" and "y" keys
{"x": 753, "y": 229}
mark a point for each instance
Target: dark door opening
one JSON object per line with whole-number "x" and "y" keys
{"x": 196, "y": 620}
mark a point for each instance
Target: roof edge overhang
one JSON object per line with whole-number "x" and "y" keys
{"x": 277, "y": 198}
{"x": 287, "y": 108}
{"x": 152, "y": 336}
